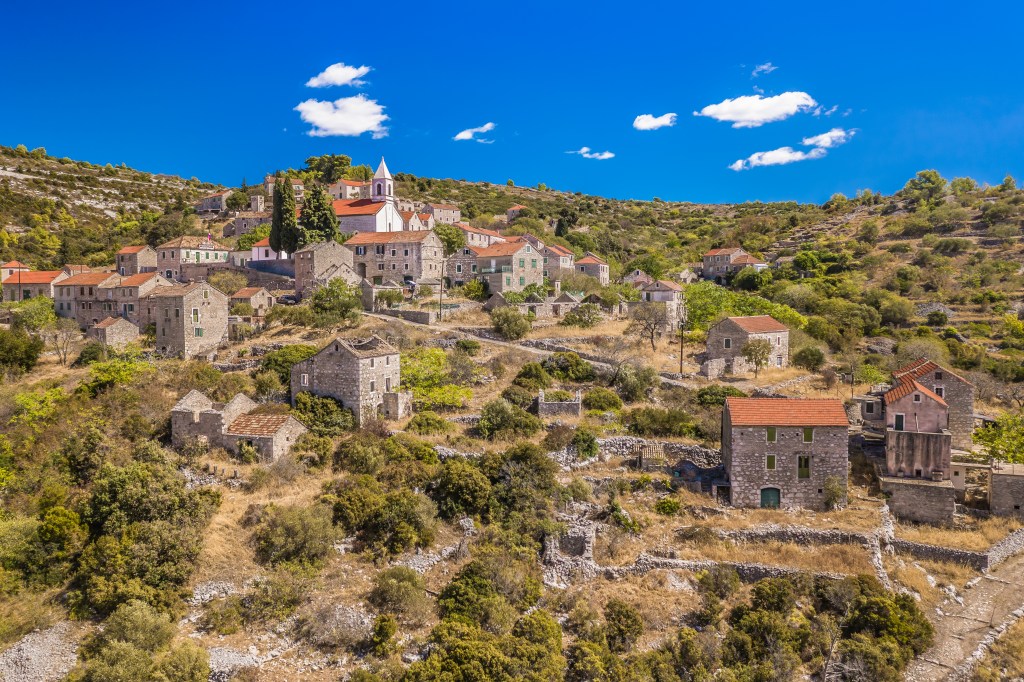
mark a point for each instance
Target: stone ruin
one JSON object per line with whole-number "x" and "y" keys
{"x": 566, "y": 408}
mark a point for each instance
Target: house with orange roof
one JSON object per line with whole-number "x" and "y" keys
{"x": 261, "y": 251}
{"x": 726, "y": 339}
{"x": 115, "y": 332}
{"x": 413, "y": 256}
{"x": 595, "y": 267}
{"x": 377, "y": 213}
{"x": 513, "y": 212}
{"x": 86, "y": 298}
{"x": 784, "y": 452}
{"x": 131, "y": 296}
{"x": 444, "y": 213}
{"x": 131, "y": 260}
{"x": 509, "y": 266}
{"x": 188, "y": 250}
{"x": 11, "y": 267}
{"x": 22, "y": 285}
{"x": 258, "y": 298}
{"x": 349, "y": 189}
{"x": 190, "y": 320}
{"x": 478, "y": 236}
{"x": 721, "y": 264}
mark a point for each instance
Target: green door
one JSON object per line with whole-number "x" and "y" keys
{"x": 770, "y": 498}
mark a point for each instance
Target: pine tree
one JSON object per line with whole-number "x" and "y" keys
{"x": 284, "y": 227}
{"x": 317, "y": 223}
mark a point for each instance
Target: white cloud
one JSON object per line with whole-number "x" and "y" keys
{"x": 777, "y": 157}
{"x": 652, "y": 122}
{"x": 338, "y": 74}
{"x": 587, "y": 153}
{"x": 763, "y": 68}
{"x": 752, "y": 111}
{"x": 832, "y": 138}
{"x": 347, "y": 117}
{"x": 470, "y": 133}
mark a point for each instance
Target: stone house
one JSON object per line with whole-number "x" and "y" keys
{"x": 595, "y": 267}
{"x": 726, "y": 339}
{"x": 412, "y": 221}
{"x": 133, "y": 260}
{"x": 721, "y": 264}
{"x": 957, "y": 392}
{"x": 191, "y": 319}
{"x": 779, "y": 452}
{"x": 512, "y": 212}
{"x": 115, "y": 332}
{"x": 22, "y": 285}
{"x": 509, "y": 266}
{"x": 408, "y": 256}
{"x": 131, "y": 297}
{"x": 917, "y": 437}
{"x": 297, "y": 185}
{"x": 318, "y": 263}
{"x": 1006, "y": 489}
{"x": 461, "y": 267}
{"x": 479, "y": 237}
{"x": 558, "y": 260}
{"x": 11, "y": 267}
{"x": 444, "y": 213}
{"x": 638, "y": 278}
{"x": 261, "y": 251}
{"x": 258, "y": 298}
{"x": 86, "y": 298}
{"x": 245, "y": 222}
{"x": 349, "y": 189}
{"x": 215, "y": 203}
{"x": 230, "y": 425}
{"x": 188, "y": 250}
{"x": 364, "y": 375}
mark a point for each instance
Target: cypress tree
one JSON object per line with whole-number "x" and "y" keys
{"x": 284, "y": 219}
{"x": 275, "y": 216}
{"x": 317, "y": 223}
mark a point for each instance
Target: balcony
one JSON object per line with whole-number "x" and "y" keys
{"x": 495, "y": 270}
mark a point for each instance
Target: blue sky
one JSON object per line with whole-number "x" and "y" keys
{"x": 211, "y": 91}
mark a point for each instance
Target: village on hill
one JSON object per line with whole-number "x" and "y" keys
{"x": 370, "y": 422}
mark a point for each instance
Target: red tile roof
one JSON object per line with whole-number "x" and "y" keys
{"x": 258, "y": 424}
{"x": 723, "y": 252}
{"x": 759, "y": 324}
{"x": 590, "y": 259}
{"x": 133, "y": 249}
{"x": 14, "y": 264}
{"x": 354, "y": 183}
{"x": 88, "y": 279}
{"x": 444, "y": 207}
{"x": 665, "y": 284}
{"x": 136, "y": 280}
{"x": 360, "y": 238}
{"x": 347, "y": 207}
{"x": 747, "y": 259}
{"x": 786, "y": 412}
{"x": 425, "y": 217}
{"x": 34, "y": 277}
{"x": 407, "y": 215}
{"x": 501, "y": 249}
{"x": 517, "y": 207}
{"x": 263, "y": 242}
{"x": 560, "y": 250}
{"x": 918, "y": 368}
{"x": 905, "y": 387}
{"x": 465, "y": 227}
{"x": 192, "y": 242}
{"x": 108, "y": 321}
{"x": 247, "y": 292}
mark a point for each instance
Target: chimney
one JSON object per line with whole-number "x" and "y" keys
{"x": 558, "y": 287}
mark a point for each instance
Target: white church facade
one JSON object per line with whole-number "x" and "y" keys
{"x": 379, "y": 213}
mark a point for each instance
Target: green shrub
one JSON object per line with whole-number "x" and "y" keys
{"x": 296, "y": 535}
{"x": 667, "y": 506}
{"x": 634, "y": 381}
{"x": 533, "y": 377}
{"x": 721, "y": 581}
{"x": 558, "y": 396}
{"x": 461, "y": 488}
{"x": 322, "y": 415}
{"x": 519, "y": 396}
{"x": 94, "y": 351}
{"x": 501, "y": 419}
{"x": 603, "y": 399}
{"x": 585, "y": 316}
{"x": 382, "y": 640}
{"x": 835, "y": 493}
{"x": 714, "y": 396}
{"x": 810, "y": 358}
{"x": 400, "y": 591}
{"x": 510, "y": 323}
{"x": 585, "y": 443}
{"x": 428, "y": 424}
{"x": 470, "y": 347}
{"x": 569, "y": 367}
{"x": 661, "y": 421}
{"x": 623, "y": 625}
{"x": 281, "y": 361}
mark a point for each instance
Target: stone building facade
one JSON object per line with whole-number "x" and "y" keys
{"x": 559, "y": 408}
{"x": 86, "y": 298}
{"x": 258, "y": 298}
{"x": 444, "y": 213}
{"x": 1006, "y": 489}
{"x": 721, "y": 264}
{"x": 364, "y": 375}
{"x": 957, "y": 392}
{"x": 318, "y": 263}
{"x": 132, "y": 260}
{"x": 115, "y": 332}
{"x": 509, "y": 266}
{"x": 595, "y": 267}
{"x": 409, "y": 256}
{"x": 230, "y": 426}
{"x": 22, "y": 285}
{"x": 191, "y": 319}
{"x": 919, "y": 500}
{"x": 779, "y": 452}
{"x": 726, "y": 339}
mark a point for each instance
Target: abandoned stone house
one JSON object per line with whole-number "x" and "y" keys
{"x": 957, "y": 392}
{"x": 721, "y": 264}
{"x": 258, "y": 298}
{"x": 558, "y": 261}
{"x": 188, "y": 250}
{"x": 132, "y": 260}
{"x": 541, "y": 308}
{"x": 780, "y": 452}
{"x": 727, "y": 338}
{"x": 594, "y": 266}
{"x": 444, "y": 213}
{"x": 245, "y": 222}
{"x": 409, "y": 256}
{"x": 196, "y": 418}
{"x": 190, "y": 320}
{"x": 364, "y": 375}
{"x": 115, "y": 332}
{"x": 318, "y": 263}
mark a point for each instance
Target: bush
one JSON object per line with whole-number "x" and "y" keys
{"x": 18, "y": 351}
{"x": 623, "y": 625}
{"x": 461, "y": 489}
{"x": 634, "y": 381}
{"x": 721, "y": 581}
{"x": 937, "y": 318}
{"x": 835, "y": 493}
{"x": 533, "y": 377}
{"x": 280, "y": 361}
{"x": 323, "y": 416}
{"x": 94, "y": 351}
{"x": 568, "y": 367}
{"x": 400, "y": 591}
{"x": 810, "y": 358}
{"x": 510, "y": 323}
{"x": 585, "y": 316}
{"x": 585, "y": 443}
{"x": 519, "y": 396}
{"x": 428, "y": 424}
{"x": 603, "y": 399}
{"x": 667, "y": 506}
{"x": 382, "y": 640}
{"x": 714, "y": 396}
{"x": 501, "y": 419}
{"x": 296, "y": 535}
{"x": 470, "y": 347}
{"x": 661, "y": 421}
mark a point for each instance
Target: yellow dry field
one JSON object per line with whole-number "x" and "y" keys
{"x": 970, "y": 534}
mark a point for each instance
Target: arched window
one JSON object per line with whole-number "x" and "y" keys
{"x": 378, "y": 188}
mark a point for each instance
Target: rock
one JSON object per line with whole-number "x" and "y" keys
{"x": 40, "y": 656}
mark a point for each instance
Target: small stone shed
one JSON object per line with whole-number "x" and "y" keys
{"x": 115, "y": 332}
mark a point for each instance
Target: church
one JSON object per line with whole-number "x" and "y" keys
{"x": 376, "y": 214}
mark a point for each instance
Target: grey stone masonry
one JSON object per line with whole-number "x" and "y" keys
{"x": 957, "y": 392}
{"x": 191, "y": 320}
{"x": 726, "y": 339}
{"x": 569, "y": 408}
{"x": 920, "y": 500}
{"x": 231, "y": 426}
{"x": 363, "y": 374}
{"x": 1006, "y": 489}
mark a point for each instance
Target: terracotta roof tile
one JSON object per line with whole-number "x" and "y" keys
{"x": 759, "y": 324}
{"x": 247, "y": 292}
{"x": 786, "y": 412}
{"x": 108, "y": 322}
{"x": 13, "y": 264}
{"x": 590, "y": 259}
{"x": 664, "y": 284}
{"x": 258, "y": 424}
{"x": 88, "y": 279}
{"x": 444, "y": 207}
{"x": 517, "y": 207}
{"x": 263, "y": 242}
{"x": 136, "y": 280}
{"x": 747, "y": 259}
{"x": 501, "y": 249}
{"x": 133, "y": 249}
{"x": 34, "y": 277}
{"x": 348, "y": 207}
{"x": 723, "y": 252}
{"x": 918, "y": 368}
{"x": 905, "y": 387}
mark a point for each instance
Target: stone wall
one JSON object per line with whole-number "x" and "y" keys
{"x": 1006, "y": 494}
{"x": 920, "y": 500}
{"x": 360, "y": 383}
{"x": 418, "y": 316}
{"x": 569, "y": 408}
{"x": 910, "y": 453}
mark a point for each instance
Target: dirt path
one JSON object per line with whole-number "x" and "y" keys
{"x": 960, "y": 629}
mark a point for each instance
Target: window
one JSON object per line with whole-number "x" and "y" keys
{"x": 808, "y": 434}
{"x": 917, "y": 397}
{"x": 869, "y": 408}
{"x": 380, "y": 266}
{"x": 771, "y": 435}
{"x": 206, "y": 293}
{"x": 938, "y": 376}
{"x": 522, "y": 281}
{"x": 373, "y": 386}
{"x": 727, "y": 343}
{"x": 394, "y": 252}
{"x": 195, "y": 315}
{"x": 199, "y": 331}
{"x": 508, "y": 281}
{"x": 407, "y": 252}
{"x": 387, "y": 384}
{"x": 360, "y": 250}
{"x": 533, "y": 263}
{"x": 803, "y": 466}
{"x": 899, "y": 422}
{"x": 458, "y": 267}
{"x": 769, "y": 463}
{"x": 522, "y": 262}
{"x": 940, "y": 391}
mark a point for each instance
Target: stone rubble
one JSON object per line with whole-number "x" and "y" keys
{"x": 41, "y": 656}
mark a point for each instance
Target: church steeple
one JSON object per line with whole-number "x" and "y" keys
{"x": 383, "y": 185}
